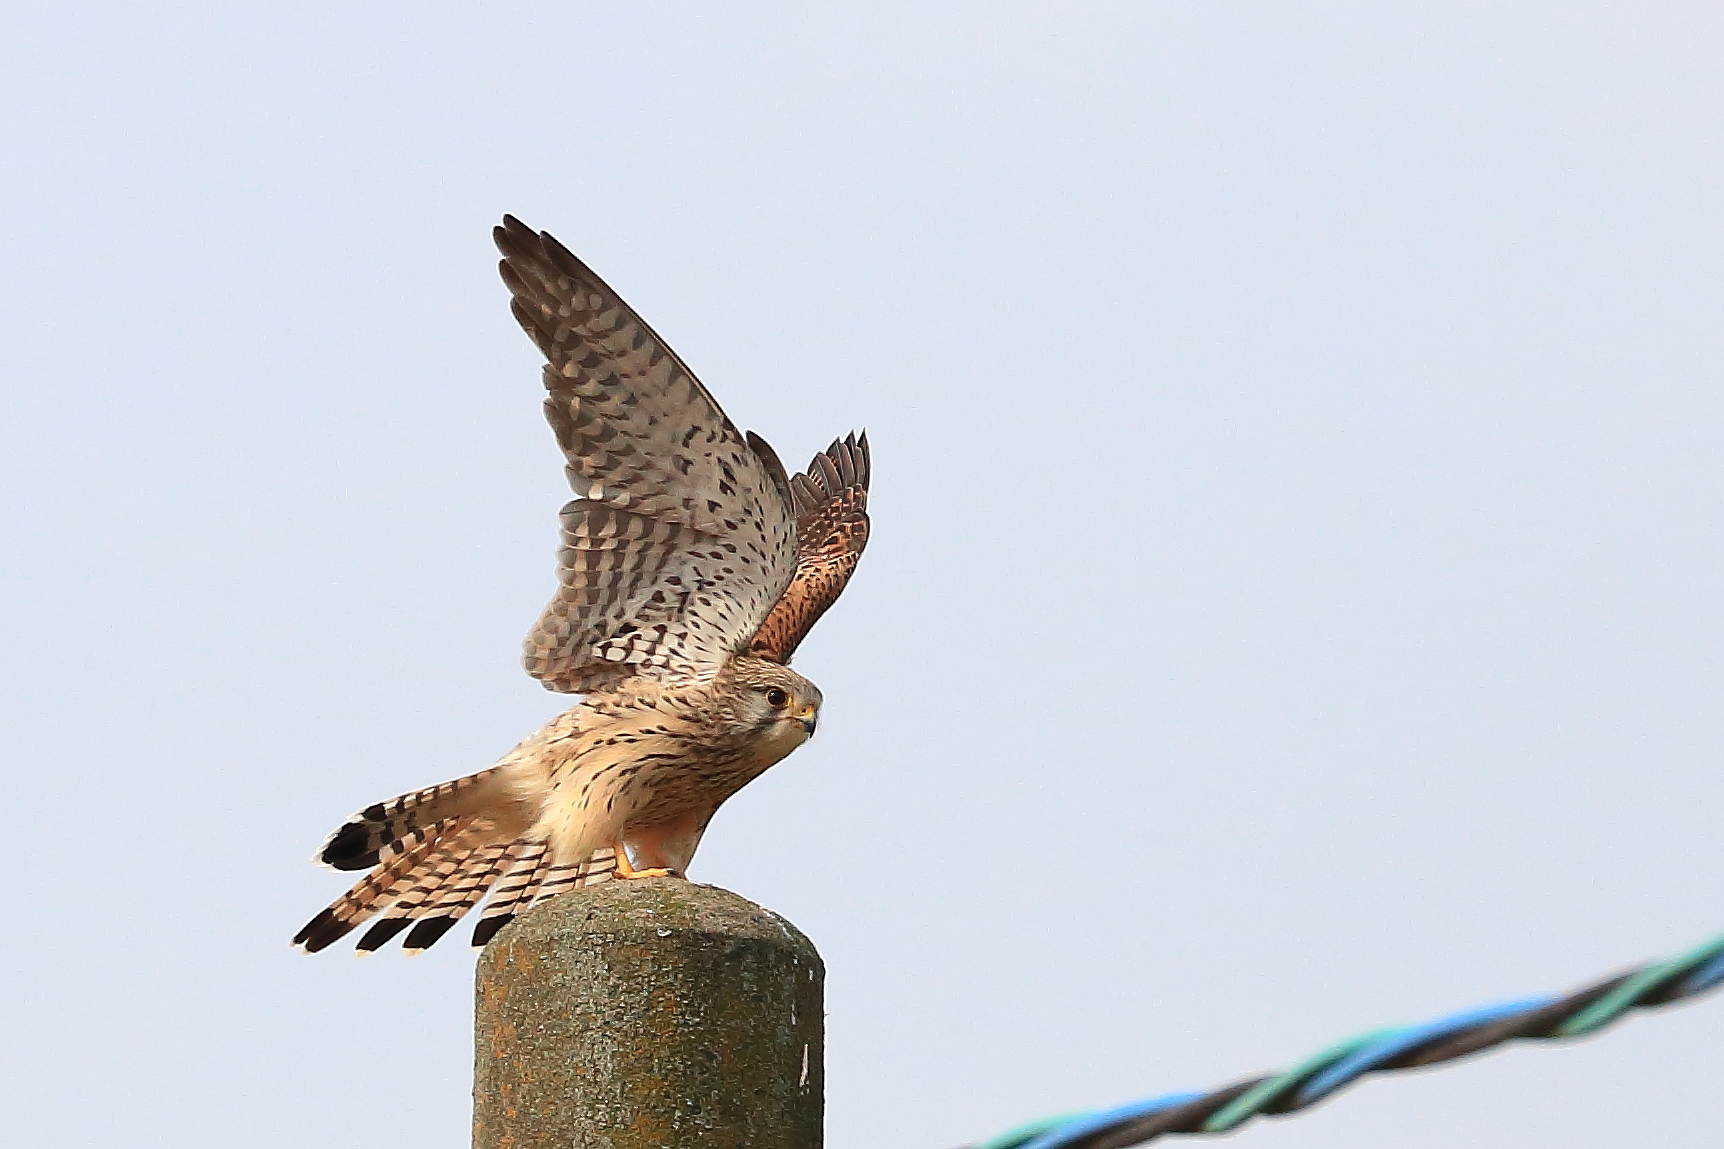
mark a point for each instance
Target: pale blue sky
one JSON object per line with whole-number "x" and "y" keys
{"x": 1294, "y": 601}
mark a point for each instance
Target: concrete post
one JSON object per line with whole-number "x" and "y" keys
{"x": 649, "y": 1014}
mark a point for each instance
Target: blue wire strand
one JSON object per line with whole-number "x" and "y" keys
{"x": 1705, "y": 977}
{"x": 1083, "y": 1126}
{"x": 1407, "y": 1039}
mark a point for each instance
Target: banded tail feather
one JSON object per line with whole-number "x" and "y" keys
{"x": 433, "y": 854}
{"x": 515, "y": 890}
{"x": 429, "y": 887}
{"x": 383, "y": 830}
{"x": 460, "y": 893}
{"x": 388, "y": 882}
{"x": 533, "y": 880}
{"x": 433, "y": 893}
{"x": 436, "y": 873}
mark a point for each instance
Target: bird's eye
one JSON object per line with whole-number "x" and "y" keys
{"x": 777, "y": 698}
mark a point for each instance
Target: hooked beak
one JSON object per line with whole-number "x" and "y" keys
{"x": 808, "y": 719}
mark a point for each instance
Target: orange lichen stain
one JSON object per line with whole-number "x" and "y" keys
{"x": 662, "y": 1014}
{"x": 645, "y": 1086}
{"x": 646, "y": 1130}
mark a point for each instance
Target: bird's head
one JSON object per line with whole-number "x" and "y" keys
{"x": 775, "y": 704}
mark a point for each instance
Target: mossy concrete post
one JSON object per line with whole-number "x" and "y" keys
{"x": 649, "y": 1014}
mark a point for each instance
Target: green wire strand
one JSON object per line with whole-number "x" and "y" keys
{"x": 1012, "y": 1138}
{"x": 1247, "y": 1104}
{"x": 1627, "y": 995}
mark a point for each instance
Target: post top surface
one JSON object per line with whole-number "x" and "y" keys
{"x": 653, "y": 908}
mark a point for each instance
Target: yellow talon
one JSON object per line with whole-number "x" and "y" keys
{"x": 625, "y": 870}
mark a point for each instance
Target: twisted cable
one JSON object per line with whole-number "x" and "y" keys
{"x": 1398, "y": 1047}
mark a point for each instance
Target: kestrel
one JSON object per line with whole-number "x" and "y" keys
{"x": 691, "y": 567}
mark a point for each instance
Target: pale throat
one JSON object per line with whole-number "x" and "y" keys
{"x": 776, "y": 742}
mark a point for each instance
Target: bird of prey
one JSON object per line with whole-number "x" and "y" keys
{"x": 692, "y": 565}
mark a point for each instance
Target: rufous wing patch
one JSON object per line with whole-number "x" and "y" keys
{"x": 831, "y": 530}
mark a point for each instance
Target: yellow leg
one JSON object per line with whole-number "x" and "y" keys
{"x": 624, "y": 870}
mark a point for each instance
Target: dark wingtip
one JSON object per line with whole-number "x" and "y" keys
{"x": 314, "y": 923}
{"x": 854, "y": 453}
{"x": 514, "y": 238}
{"x": 346, "y": 848}
{"x": 488, "y": 927}
{"x": 426, "y": 933}
{"x": 321, "y": 931}
{"x": 843, "y": 465}
{"x": 380, "y": 934}
{"x": 774, "y": 467}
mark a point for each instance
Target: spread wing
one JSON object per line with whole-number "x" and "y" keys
{"x": 683, "y": 536}
{"x": 831, "y": 529}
